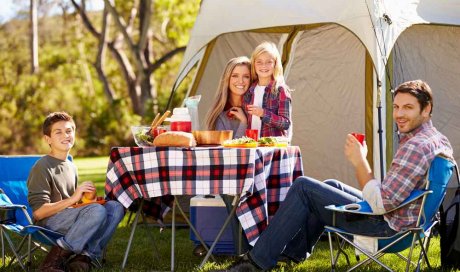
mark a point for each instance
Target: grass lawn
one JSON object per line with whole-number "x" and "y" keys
{"x": 143, "y": 257}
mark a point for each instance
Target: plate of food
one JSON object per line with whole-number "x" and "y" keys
{"x": 243, "y": 142}
{"x": 273, "y": 142}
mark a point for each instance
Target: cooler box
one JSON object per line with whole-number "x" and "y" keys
{"x": 208, "y": 215}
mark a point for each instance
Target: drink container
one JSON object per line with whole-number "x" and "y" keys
{"x": 180, "y": 120}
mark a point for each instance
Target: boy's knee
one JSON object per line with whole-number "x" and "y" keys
{"x": 115, "y": 208}
{"x": 97, "y": 211}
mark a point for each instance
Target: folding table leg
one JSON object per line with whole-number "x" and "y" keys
{"x": 173, "y": 233}
{"x": 133, "y": 229}
{"x": 224, "y": 226}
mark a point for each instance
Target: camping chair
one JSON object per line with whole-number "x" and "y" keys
{"x": 432, "y": 196}
{"x": 16, "y": 214}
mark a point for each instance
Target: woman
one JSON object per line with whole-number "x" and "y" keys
{"x": 226, "y": 112}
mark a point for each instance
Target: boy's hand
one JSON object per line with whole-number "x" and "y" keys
{"x": 84, "y": 187}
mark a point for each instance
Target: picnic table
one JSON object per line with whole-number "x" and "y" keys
{"x": 259, "y": 177}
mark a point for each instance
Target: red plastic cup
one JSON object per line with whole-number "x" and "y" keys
{"x": 360, "y": 137}
{"x": 158, "y": 130}
{"x": 252, "y": 133}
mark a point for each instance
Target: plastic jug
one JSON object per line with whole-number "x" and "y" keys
{"x": 192, "y": 104}
{"x": 180, "y": 120}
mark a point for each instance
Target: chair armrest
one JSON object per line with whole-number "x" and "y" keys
{"x": 12, "y": 207}
{"x": 363, "y": 207}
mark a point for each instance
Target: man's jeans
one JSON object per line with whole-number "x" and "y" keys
{"x": 300, "y": 221}
{"x": 89, "y": 228}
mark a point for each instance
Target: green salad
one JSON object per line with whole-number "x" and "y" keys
{"x": 144, "y": 137}
{"x": 272, "y": 140}
{"x": 240, "y": 141}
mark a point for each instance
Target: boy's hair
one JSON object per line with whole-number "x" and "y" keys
{"x": 420, "y": 90}
{"x": 53, "y": 118}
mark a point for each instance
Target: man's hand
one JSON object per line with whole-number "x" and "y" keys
{"x": 354, "y": 151}
{"x": 356, "y": 154}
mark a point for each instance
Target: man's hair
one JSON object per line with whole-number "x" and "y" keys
{"x": 420, "y": 90}
{"x": 53, "y": 118}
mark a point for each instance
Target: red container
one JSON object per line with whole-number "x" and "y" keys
{"x": 360, "y": 137}
{"x": 185, "y": 126}
{"x": 252, "y": 133}
{"x": 158, "y": 130}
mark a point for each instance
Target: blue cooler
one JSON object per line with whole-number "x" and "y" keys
{"x": 207, "y": 215}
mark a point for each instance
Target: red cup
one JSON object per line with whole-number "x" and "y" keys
{"x": 360, "y": 137}
{"x": 158, "y": 130}
{"x": 252, "y": 133}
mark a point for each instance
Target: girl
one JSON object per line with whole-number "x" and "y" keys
{"x": 226, "y": 112}
{"x": 268, "y": 100}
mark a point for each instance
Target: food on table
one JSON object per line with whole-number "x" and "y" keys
{"x": 142, "y": 136}
{"x": 273, "y": 141}
{"x": 212, "y": 137}
{"x": 175, "y": 138}
{"x": 240, "y": 142}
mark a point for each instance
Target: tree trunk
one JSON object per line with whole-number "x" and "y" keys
{"x": 34, "y": 36}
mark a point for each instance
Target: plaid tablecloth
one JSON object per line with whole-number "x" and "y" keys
{"x": 261, "y": 175}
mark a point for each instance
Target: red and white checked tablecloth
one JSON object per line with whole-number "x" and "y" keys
{"x": 261, "y": 175}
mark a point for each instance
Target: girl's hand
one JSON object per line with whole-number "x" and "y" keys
{"x": 237, "y": 113}
{"x": 254, "y": 110}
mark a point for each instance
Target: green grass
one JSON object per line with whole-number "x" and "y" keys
{"x": 142, "y": 256}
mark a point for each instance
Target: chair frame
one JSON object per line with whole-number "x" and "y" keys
{"x": 30, "y": 233}
{"x": 34, "y": 237}
{"x": 421, "y": 233}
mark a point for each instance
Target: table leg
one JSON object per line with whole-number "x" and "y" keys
{"x": 193, "y": 229}
{"x": 227, "y": 221}
{"x": 173, "y": 232}
{"x": 133, "y": 230}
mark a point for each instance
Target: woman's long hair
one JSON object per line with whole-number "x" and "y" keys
{"x": 221, "y": 97}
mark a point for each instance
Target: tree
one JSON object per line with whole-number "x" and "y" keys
{"x": 34, "y": 35}
{"x": 138, "y": 49}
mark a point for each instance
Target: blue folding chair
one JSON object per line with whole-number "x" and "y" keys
{"x": 439, "y": 174}
{"x": 16, "y": 215}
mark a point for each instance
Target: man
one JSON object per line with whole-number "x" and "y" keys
{"x": 53, "y": 190}
{"x": 301, "y": 218}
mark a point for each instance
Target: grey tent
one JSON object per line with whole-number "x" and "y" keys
{"x": 336, "y": 53}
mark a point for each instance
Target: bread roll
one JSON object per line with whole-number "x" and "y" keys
{"x": 175, "y": 138}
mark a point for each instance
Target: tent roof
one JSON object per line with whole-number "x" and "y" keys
{"x": 218, "y": 16}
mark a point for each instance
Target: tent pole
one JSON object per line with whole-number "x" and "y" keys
{"x": 380, "y": 131}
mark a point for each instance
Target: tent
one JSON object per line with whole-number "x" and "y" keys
{"x": 341, "y": 58}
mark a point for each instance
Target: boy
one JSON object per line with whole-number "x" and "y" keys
{"x": 53, "y": 189}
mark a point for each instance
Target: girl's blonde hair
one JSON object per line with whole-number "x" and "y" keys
{"x": 272, "y": 50}
{"x": 220, "y": 100}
